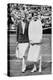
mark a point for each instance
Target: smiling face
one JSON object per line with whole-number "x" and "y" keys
{"x": 29, "y": 17}
{"x": 22, "y": 15}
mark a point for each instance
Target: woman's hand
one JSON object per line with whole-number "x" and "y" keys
{"x": 31, "y": 42}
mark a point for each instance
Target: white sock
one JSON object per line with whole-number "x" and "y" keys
{"x": 40, "y": 64}
{"x": 23, "y": 65}
{"x": 34, "y": 69}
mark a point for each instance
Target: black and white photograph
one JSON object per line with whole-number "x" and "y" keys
{"x": 29, "y": 33}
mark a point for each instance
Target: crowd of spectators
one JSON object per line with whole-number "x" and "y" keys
{"x": 15, "y": 12}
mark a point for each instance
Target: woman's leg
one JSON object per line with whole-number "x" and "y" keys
{"x": 23, "y": 65}
{"x": 24, "y": 59}
{"x": 35, "y": 64}
{"x": 34, "y": 69}
{"x": 40, "y": 63}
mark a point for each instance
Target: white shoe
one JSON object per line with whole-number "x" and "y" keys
{"x": 34, "y": 69}
{"x": 24, "y": 68}
{"x": 23, "y": 65}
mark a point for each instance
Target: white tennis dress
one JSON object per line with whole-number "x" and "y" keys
{"x": 35, "y": 36}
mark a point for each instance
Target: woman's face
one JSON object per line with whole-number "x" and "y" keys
{"x": 35, "y": 18}
{"x": 29, "y": 17}
{"x": 22, "y": 15}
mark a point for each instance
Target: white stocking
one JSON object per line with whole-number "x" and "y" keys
{"x": 23, "y": 65}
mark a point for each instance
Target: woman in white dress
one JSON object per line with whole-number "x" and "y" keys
{"x": 35, "y": 37}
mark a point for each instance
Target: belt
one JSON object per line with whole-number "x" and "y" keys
{"x": 36, "y": 43}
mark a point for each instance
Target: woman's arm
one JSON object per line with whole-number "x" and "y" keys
{"x": 17, "y": 32}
